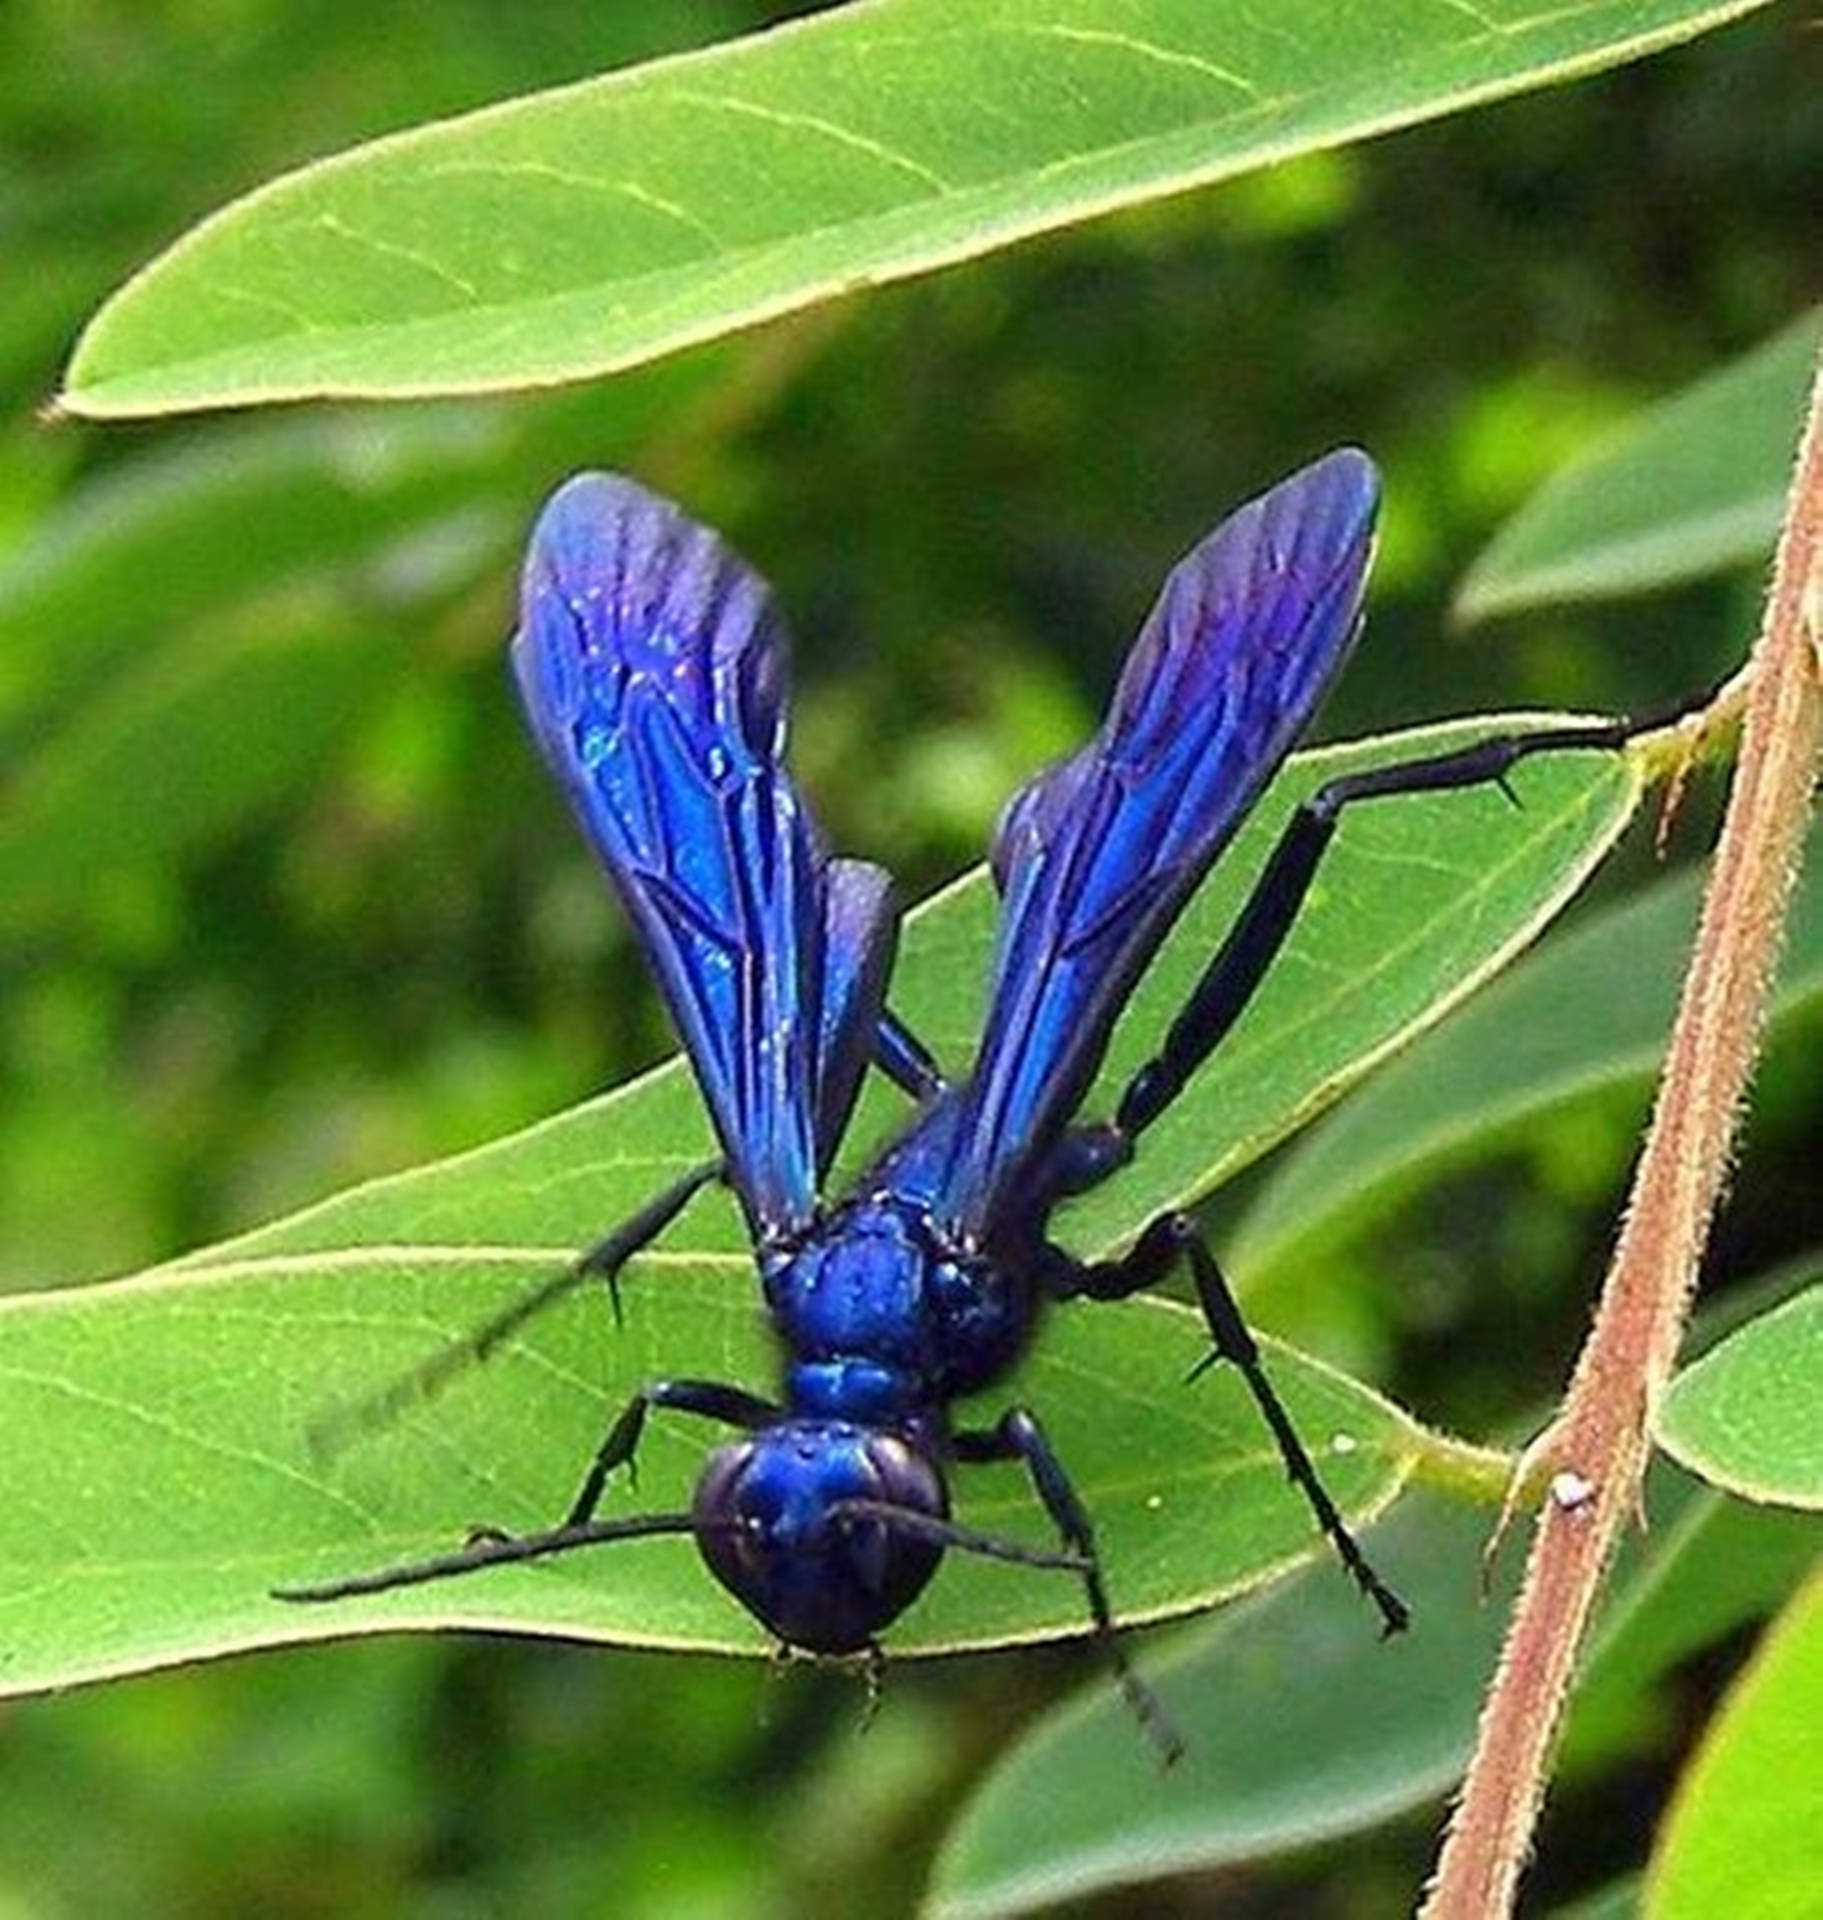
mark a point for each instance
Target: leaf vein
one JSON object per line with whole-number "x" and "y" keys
{"x": 333, "y": 223}
{"x": 590, "y": 183}
{"x": 1488, "y": 24}
{"x": 815, "y": 123}
{"x": 1147, "y": 50}
{"x": 176, "y": 1430}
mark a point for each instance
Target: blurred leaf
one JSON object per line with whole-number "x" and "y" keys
{"x": 254, "y": 508}
{"x": 206, "y": 622}
{"x": 1696, "y": 484}
{"x": 1590, "y": 1011}
{"x": 178, "y": 754}
{"x": 1741, "y": 1836}
{"x": 573, "y": 232}
{"x": 1744, "y": 1416}
{"x": 1300, "y": 1727}
{"x": 177, "y": 534}
{"x": 216, "y": 1365}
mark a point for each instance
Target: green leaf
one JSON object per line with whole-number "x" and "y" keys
{"x": 172, "y": 1485}
{"x": 1741, "y": 1837}
{"x": 1744, "y": 1416}
{"x": 1696, "y": 484}
{"x": 1302, "y": 1728}
{"x": 1591, "y": 1011}
{"x": 159, "y": 542}
{"x": 198, "y": 1382}
{"x": 199, "y": 627}
{"x": 180, "y": 751}
{"x": 242, "y": 511}
{"x": 586, "y": 229}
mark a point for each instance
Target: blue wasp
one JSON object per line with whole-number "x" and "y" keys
{"x": 652, "y": 666}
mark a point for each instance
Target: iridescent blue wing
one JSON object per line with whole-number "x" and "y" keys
{"x": 652, "y": 665}
{"x": 1096, "y": 857}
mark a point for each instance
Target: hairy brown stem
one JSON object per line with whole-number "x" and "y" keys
{"x": 1598, "y": 1445}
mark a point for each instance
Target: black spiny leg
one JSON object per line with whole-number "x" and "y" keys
{"x": 342, "y": 1425}
{"x": 708, "y": 1399}
{"x": 604, "y": 1260}
{"x": 1232, "y": 977}
{"x": 1089, "y": 1153}
{"x": 1018, "y": 1436}
{"x": 1173, "y": 1236}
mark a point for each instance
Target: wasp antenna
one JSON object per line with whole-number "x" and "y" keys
{"x": 489, "y": 1550}
{"x": 947, "y": 1533}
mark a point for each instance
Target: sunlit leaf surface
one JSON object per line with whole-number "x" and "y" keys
{"x": 585, "y": 229}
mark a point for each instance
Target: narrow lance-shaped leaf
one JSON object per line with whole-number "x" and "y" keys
{"x": 167, "y": 1486}
{"x": 1301, "y": 1725}
{"x": 1420, "y": 900}
{"x": 592, "y": 227}
{"x": 1300, "y": 1732}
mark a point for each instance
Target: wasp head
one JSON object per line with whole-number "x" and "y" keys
{"x": 797, "y": 1522}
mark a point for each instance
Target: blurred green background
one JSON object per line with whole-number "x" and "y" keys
{"x": 351, "y": 929}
